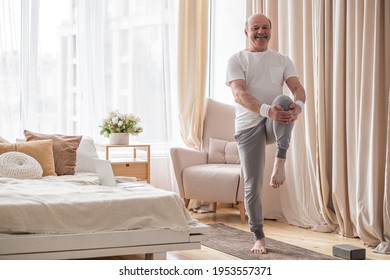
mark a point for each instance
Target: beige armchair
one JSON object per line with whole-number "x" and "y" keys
{"x": 214, "y": 173}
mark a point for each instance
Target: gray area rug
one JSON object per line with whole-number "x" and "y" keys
{"x": 238, "y": 243}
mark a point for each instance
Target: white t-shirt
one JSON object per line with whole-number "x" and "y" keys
{"x": 264, "y": 73}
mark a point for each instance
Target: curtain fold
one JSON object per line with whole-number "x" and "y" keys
{"x": 90, "y": 63}
{"x": 338, "y": 173}
{"x": 29, "y": 64}
{"x": 10, "y": 69}
{"x": 384, "y": 246}
{"x": 192, "y": 68}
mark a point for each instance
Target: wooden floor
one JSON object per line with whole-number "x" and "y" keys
{"x": 316, "y": 241}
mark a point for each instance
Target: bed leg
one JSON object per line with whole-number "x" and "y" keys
{"x": 156, "y": 256}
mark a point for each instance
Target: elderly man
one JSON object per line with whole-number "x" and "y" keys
{"x": 263, "y": 114}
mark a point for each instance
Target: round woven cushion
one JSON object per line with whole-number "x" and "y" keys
{"x": 20, "y": 166}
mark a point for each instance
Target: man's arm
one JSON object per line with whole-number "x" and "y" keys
{"x": 299, "y": 94}
{"x": 245, "y": 99}
{"x": 296, "y": 88}
{"x": 242, "y": 97}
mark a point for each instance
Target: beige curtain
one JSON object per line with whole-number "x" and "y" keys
{"x": 384, "y": 245}
{"x": 192, "y": 68}
{"x": 338, "y": 168}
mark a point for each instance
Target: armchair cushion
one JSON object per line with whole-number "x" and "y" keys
{"x": 222, "y": 151}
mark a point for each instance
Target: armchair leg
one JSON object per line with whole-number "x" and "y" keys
{"x": 241, "y": 207}
{"x": 186, "y": 202}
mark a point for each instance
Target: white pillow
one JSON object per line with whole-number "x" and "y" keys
{"x": 19, "y": 166}
{"x": 85, "y": 154}
{"x": 2, "y": 140}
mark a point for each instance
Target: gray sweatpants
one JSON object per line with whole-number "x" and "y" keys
{"x": 251, "y": 146}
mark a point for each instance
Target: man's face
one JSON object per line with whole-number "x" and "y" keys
{"x": 259, "y": 33}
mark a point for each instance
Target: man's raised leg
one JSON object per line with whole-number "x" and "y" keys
{"x": 283, "y": 135}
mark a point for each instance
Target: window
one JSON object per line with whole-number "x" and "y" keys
{"x": 139, "y": 41}
{"x": 227, "y": 23}
{"x": 138, "y": 63}
{"x": 52, "y": 100}
{"x": 137, "y": 50}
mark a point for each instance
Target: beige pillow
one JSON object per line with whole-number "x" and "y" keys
{"x": 64, "y": 150}
{"x": 231, "y": 153}
{"x": 216, "y": 151}
{"x": 42, "y": 151}
{"x": 7, "y": 147}
{"x": 222, "y": 151}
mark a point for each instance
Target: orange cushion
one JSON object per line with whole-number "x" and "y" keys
{"x": 42, "y": 151}
{"x": 7, "y": 147}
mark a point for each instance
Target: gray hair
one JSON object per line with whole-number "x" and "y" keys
{"x": 246, "y": 23}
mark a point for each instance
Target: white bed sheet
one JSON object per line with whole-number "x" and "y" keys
{"x": 76, "y": 204}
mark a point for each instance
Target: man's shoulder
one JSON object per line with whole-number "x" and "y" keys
{"x": 237, "y": 57}
{"x": 276, "y": 53}
{"x": 239, "y": 53}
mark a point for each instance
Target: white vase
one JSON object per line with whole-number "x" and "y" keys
{"x": 118, "y": 139}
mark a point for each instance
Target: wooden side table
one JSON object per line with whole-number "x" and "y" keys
{"x": 135, "y": 163}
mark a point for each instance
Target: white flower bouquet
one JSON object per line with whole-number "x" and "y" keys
{"x": 120, "y": 123}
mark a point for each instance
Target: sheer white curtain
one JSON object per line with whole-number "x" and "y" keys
{"x": 20, "y": 89}
{"x": 43, "y": 95}
{"x": 141, "y": 73}
{"x": 91, "y": 98}
{"x": 29, "y": 63}
{"x": 10, "y": 17}
{"x": 46, "y": 95}
{"x": 81, "y": 59}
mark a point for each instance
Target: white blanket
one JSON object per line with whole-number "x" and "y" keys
{"x": 76, "y": 203}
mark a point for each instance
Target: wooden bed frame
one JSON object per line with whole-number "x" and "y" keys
{"x": 153, "y": 243}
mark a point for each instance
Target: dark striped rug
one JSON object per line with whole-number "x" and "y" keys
{"x": 238, "y": 243}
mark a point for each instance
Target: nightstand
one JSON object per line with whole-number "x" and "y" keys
{"x": 131, "y": 160}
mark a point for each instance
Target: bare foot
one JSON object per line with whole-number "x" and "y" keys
{"x": 259, "y": 247}
{"x": 278, "y": 176}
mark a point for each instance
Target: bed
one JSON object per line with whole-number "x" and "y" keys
{"x": 74, "y": 217}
